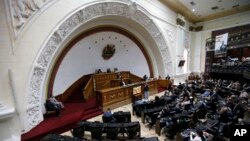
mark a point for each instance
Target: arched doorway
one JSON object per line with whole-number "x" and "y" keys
{"x": 67, "y": 30}
{"x": 79, "y": 69}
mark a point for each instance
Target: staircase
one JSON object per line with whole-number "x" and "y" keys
{"x": 75, "y": 91}
{"x": 91, "y": 109}
{"x": 76, "y": 97}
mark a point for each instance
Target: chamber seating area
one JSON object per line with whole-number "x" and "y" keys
{"x": 211, "y": 107}
{"x": 111, "y": 131}
{"x": 57, "y": 137}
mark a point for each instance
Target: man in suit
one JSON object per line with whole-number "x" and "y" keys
{"x": 146, "y": 91}
{"x": 122, "y": 83}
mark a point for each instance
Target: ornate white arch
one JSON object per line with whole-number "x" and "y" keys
{"x": 79, "y": 18}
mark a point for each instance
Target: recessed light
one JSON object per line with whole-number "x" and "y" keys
{"x": 193, "y": 9}
{"x": 192, "y": 3}
{"x": 237, "y": 5}
{"x": 215, "y": 8}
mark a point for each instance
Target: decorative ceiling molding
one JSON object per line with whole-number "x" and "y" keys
{"x": 180, "y": 8}
{"x": 41, "y": 66}
{"x": 225, "y": 13}
{"x": 21, "y": 12}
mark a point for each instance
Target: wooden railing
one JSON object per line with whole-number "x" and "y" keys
{"x": 100, "y": 81}
{"x": 88, "y": 90}
{"x": 79, "y": 84}
{"x": 164, "y": 83}
{"x": 134, "y": 78}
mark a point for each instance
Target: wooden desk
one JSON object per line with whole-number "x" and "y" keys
{"x": 122, "y": 95}
{"x": 163, "y": 83}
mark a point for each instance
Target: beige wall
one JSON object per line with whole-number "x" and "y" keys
{"x": 20, "y": 54}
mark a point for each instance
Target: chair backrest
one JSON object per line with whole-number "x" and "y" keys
{"x": 133, "y": 131}
{"x": 112, "y": 133}
{"x": 78, "y": 132}
{"x": 52, "y": 137}
{"x": 187, "y": 106}
{"x": 107, "y": 119}
{"x": 96, "y": 132}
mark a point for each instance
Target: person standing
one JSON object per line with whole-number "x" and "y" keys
{"x": 146, "y": 91}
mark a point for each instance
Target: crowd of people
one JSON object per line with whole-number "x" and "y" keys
{"x": 205, "y": 108}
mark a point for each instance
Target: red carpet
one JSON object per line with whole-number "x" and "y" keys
{"x": 73, "y": 113}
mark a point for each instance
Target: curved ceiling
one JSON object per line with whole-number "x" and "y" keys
{"x": 204, "y": 10}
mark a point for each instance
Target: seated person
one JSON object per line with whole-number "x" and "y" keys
{"x": 225, "y": 114}
{"x": 50, "y": 106}
{"x": 207, "y": 93}
{"x": 145, "y": 77}
{"x": 167, "y": 77}
{"x": 158, "y": 101}
{"x": 53, "y": 100}
{"x": 108, "y": 70}
{"x": 109, "y": 115}
{"x": 99, "y": 71}
{"x": 200, "y": 136}
{"x": 246, "y": 118}
{"x": 185, "y": 101}
{"x": 118, "y": 75}
{"x": 244, "y": 94}
{"x": 164, "y": 112}
{"x": 122, "y": 83}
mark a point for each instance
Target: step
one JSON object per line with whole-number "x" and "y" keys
{"x": 88, "y": 116}
{"x": 75, "y": 98}
{"x": 88, "y": 111}
{"x": 74, "y": 101}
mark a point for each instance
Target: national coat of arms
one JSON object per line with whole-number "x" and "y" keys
{"x": 108, "y": 51}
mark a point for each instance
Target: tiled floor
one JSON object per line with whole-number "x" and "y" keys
{"x": 145, "y": 131}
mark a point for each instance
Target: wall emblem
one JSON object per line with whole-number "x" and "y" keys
{"x": 108, "y": 51}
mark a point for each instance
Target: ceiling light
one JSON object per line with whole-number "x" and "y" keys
{"x": 193, "y": 9}
{"x": 215, "y": 8}
{"x": 237, "y": 5}
{"x": 192, "y": 3}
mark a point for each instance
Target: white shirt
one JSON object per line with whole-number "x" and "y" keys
{"x": 196, "y": 138}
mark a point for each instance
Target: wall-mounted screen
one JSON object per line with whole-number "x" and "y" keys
{"x": 181, "y": 63}
{"x": 220, "y": 44}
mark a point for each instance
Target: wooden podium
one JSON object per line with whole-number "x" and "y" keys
{"x": 122, "y": 95}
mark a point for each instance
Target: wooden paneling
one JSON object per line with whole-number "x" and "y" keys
{"x": 110, "y": 96}
{"x": 134, "y": 78}
{"x": 79, "y": 84}
{"x": 88, "y": 90}
{"x": 103, "y": 80}
{"x": 163, "y": 83}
